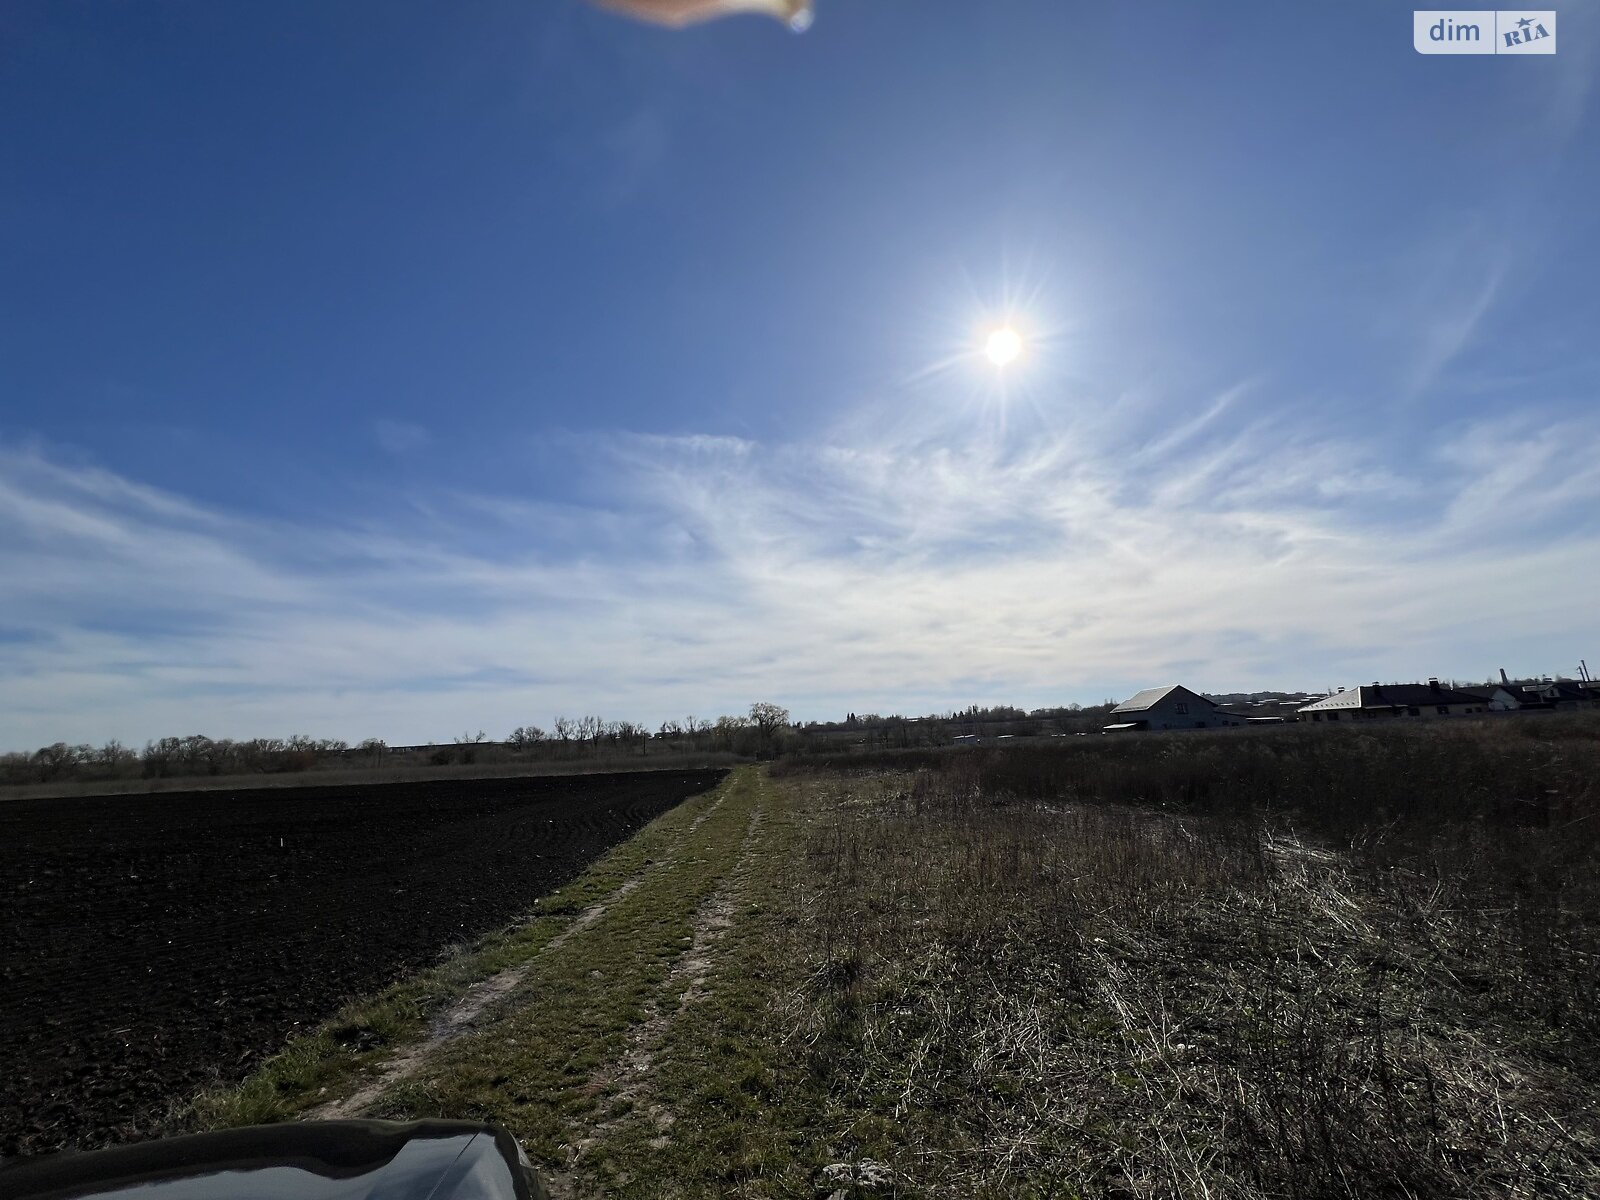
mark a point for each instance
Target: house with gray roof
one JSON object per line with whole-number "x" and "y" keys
{"x": 1557, "y": 694}
{"x": 1496, "y": 697}
{"x": 1170, "y": 707}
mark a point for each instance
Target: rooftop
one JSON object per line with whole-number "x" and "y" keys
{"x": 1150, "y": 697}
{"x": 1391, "y": 695}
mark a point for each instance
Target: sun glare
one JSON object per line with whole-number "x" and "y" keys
{"x": 1003, "y": 346}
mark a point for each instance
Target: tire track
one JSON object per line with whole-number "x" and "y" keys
{"x": 627, "y": 1079}
{"x": 486, "y": 996}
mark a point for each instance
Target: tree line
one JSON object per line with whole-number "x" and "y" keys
{"x": 169, "y": 757}
{"x": 762, "y": 733}
{"x": 765, "y": 731}
{"x": 875, "y": 731}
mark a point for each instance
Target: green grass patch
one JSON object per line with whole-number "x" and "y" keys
{"x": 333, "y": 1060}
{"x": 538, "y": 1069}
{"x": 730, "y": 1107}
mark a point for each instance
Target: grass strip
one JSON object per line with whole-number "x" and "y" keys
{"x": 537, "y": 1068}
{"x": 330, "y": 1061}
{"x": 730, "y": 1108}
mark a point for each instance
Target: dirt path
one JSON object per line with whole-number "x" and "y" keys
{"x": 626, "y": 1082}
{"x": 486, "y": 996}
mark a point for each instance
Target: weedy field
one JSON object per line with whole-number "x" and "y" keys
{"x": 1311, "y": 963}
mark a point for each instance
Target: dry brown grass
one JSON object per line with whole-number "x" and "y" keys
{"x": 1359, "y": 963}
{"x": 1018, "y": 994}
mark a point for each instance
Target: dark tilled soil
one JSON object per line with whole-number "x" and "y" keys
{"x": 152, "y": 946}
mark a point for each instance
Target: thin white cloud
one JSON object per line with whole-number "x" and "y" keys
{"x": 843, "y": 573}
{"x": 1451, "y": 287}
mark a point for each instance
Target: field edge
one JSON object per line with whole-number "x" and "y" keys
{"x": 330, "y": 1062}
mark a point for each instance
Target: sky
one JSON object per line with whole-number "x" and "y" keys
{"x": 407, "y": 369}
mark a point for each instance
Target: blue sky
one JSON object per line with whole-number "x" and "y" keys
{"x": 401, "y": 369}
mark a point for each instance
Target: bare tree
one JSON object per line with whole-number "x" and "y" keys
{"x": 526, "y": 737}
{"x": 469, "y": 743}
{"x": 114, "y": 756}
{"x": 197, "y": 755}
{"x": 727, "y": 730}
{"x": 260, "y": 754}
{"x": 160, "y": 757}
{"x": 56, "y": 760}
{"x": 768, "y": 719}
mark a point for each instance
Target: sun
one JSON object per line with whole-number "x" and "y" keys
{"x": 1003, "y": 346}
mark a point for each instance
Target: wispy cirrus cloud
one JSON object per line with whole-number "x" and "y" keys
{"x": 1445, "y": 287}
{"x": 914, "y": 570}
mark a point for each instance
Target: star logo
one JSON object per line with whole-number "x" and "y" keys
{"x": 1525, "y": 22}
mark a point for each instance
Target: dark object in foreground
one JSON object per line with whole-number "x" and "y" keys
{"x": 311, "y": 1160}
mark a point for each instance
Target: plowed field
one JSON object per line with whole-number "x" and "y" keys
{"x": 152, "y": 945}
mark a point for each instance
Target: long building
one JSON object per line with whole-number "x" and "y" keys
{"x": 1378, "y": 700}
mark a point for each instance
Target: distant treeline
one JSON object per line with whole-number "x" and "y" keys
{"x": 872, "y": 731}
{"x": 168, "y": 757}
{"x": 764, "y": 732}
{"x": 761, "y": 733}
